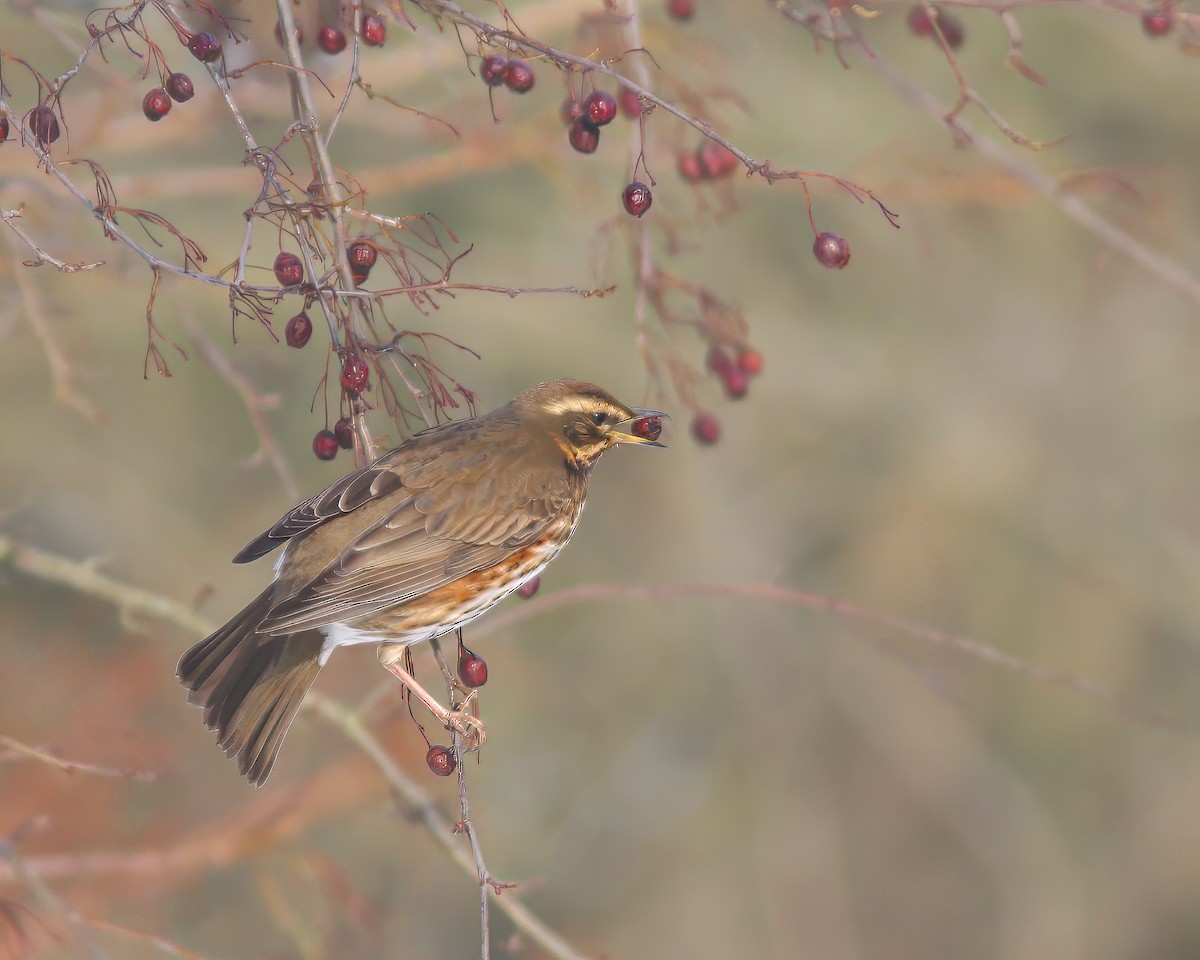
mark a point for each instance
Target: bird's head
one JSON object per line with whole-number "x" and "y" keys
{"x": 585, "y": 420}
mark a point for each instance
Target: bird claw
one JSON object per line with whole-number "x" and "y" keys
{"x": 468, "y": 726}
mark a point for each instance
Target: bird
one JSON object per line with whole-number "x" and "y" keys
{"x": 416, "y": 544}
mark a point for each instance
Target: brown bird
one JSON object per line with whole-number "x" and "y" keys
{"x": 420, "y": 542}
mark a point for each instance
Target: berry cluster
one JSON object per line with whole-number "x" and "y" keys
{"x": 516, "y": 74}
{"x": 709, "y": 161}
{"x": 586, "y": 117}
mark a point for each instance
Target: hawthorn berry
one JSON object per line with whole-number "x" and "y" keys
{"x": 344, "y": 431}
{"x": 374, "y": 30}
{"x": 43, "y": 124}
{"x": 920, "y": 22}
{"x": 689, "y": 167}
{"x": 3, "y": 129}
{"x": 584, "y": 136}
{"x": 355, "y": 373}
{"x": 681, "y": 9}
{"x": 362, "y": 254}
{"x": 325, "y": 445}
{"x": 706, "y": 428}
{"x": 297, "y": 331}
{"x": 831, "y": 250}
{"x": 636, "y": 197}
{"x": 289, "y": 271}
{"x": 179, "y": 87}
{"x": 441, "y": 760}
{"x": 472, "y": 669}
{"x": 648, "y": 428}
{"x": 600, "y": 107}
{"x": 279, "y": 33}
{"x": 491, "y": 70}
{"x": 331, "y": 39}
{"x": 718, "y": 361}
{"x": 156, "y": 104}
{"x": 631, "y": 104}
{"x": 529, "y": 588}
{"x": 750, "y": 362}
{"x": 518, "y": 76}
{"x": 1156, "y": 22}
{"x": 204, "y": 46}
{"x": 952, "y": 30}
{"x": 716, "y": 160}
{"x": 737, "y": 383}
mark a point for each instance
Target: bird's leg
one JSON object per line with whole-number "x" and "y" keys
{"x": 391, "y": 655}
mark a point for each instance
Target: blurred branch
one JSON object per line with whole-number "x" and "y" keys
{"x": 18, "y": 748}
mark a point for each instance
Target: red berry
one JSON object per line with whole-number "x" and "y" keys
{"x": 736, "y": 383}
{"x": 689, "y": 167}
{"x": 831, "y": 250}
{"x": 718, "y": 361}
{"x": 529, "y": 588}
{"x": 179, "y": 87}
{"x": 472, "y": 669}
{"x": 331, "y": 39}
{"x": 706, "y": 428}
{"x": 584, "y": 136}
{"x": 441, "y": 760}
{"x": 681, "y": 9}
{"x": 952, "y": 30}
{"x": 279, "y": 33}
{"x": 297, "y": 331}
{"x": 204, "y": 46}
{"x": 600, "y": 107}
{"x": 715, "y": 160}
{"x": 156, "y": 104}
{"x": 631, "y": 106}
{"x": 355, "y": 373}
{"x": 374, "y": 30}
{"x": 750, "y": 362}
{"x": 3, "y": 129}
{"x": 289, "y": 271}
{"x": 325, "y": 445}
{"x": 1156, "y": 23}
{"x": 570, "y": 111}
{"x": 636, "y": 197}
{"x": 491, "y": 70}
{"x": 362, "y": 254}
{"x": 518, "y": 76}
{"x": 344, "y": 431}
{"x": 920, "y": 22}
{"x": 648, "y": 428}
{"x": 43, "y": 124}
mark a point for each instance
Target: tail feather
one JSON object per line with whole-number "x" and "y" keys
{"x": 251, "y": 685}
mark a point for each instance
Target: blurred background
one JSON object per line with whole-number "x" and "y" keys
{"x": 986, "y": 424}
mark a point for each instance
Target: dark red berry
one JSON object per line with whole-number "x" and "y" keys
{"x": 3, "y": 129}
{"x": 331, "y": 39}
{"x": 681, "y": 9}
{"x": 43, "y": 124}
{"x": 631, "y": 105}
{"x": 718, "y": 361}
{"x": 636, "y": 197}
{"x": 648, "y": 428}
{"x": 289, "y": 271}
{"x": 600, "y": 107}
{"x": 491, "y": 70}
{"x": 1156, "y": 23}
{"x": 706, "y": 428}
{"x": 472, "y": 669}
{"x": 344, "y": 431}
{"x": 736, "y": 383}
{"x": 204, "y": 46}
{"x": 715, "y": 160}
{"x": 374, "y": 30}
{"x": 179, "y": 87}
{"x": 441, "y": 760}
{"x": 584, "y": 136}
{"x": 689, "y": 167}
{"x": 361, "y": 254}
{"x": 355, "y": 373}
{"x": 750, "y": 362}
{"x": 831, "y": 250}
{"x": 279, "y": 33}
{"x": 518, "y": 76}
{"x": 156, "y": 104}
{"x": 952, "y": 30}
{"x": 297, "y": 331}
{"x": 325, "y": 445}
{"x": 920, "y": 22}
{"x": 529, "y": 588}
{"x": 571, "y": 111}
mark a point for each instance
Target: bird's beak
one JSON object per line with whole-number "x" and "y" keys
{"x": 622, "y": 436}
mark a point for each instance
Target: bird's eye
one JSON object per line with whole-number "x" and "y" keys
{"x": 599, "y": 418}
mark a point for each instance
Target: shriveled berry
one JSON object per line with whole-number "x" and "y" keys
{"x": 297, "y": 331}
{"x": 3, "y": 129}
{"x": 584, "y": 136}
{"x": 472, "y": 669}
{"x": 681, "y": 9}
{"x": 374, "y": 30}
{"x": 750, "y": 362}
{"x": 491, "y": 70}
{"x": 325, "y": 445}
{"x": 355, "y": 373}
{"x": 43, "y": 124}
{"x": 518, "y": 76}
{"x": 648, "y": 428}
{"x": 529, "y": 588}
{"x": 689, "y": 167}
{"x": 441, "y": 760}
{"x": 279, "y": 33}
{"x": 636, "y": 197}
{"x": 831, "y": 250}
{"x": 179, "y": 87}
{"x": 1156, "y": 23}
{"x": 570, "y": 111}
{"x": 706, "y": 428}
{"x": 289, "y": 271}
{"x": 920, "y": 23}
{"x": 331, "y": 39}
{"x": 631, "y": 104}
{"x": 361, "y": 254}
{"x": 600, "y": 107}
{"x": 736, "y": 383}
{"x": 156, "y": 104}
{"x": 715, "y": 160}
{"x": 204, "y": 46}
{"x": 344, "y": 431}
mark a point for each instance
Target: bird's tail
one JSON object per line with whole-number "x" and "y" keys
{"x": 251, "y": 685}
